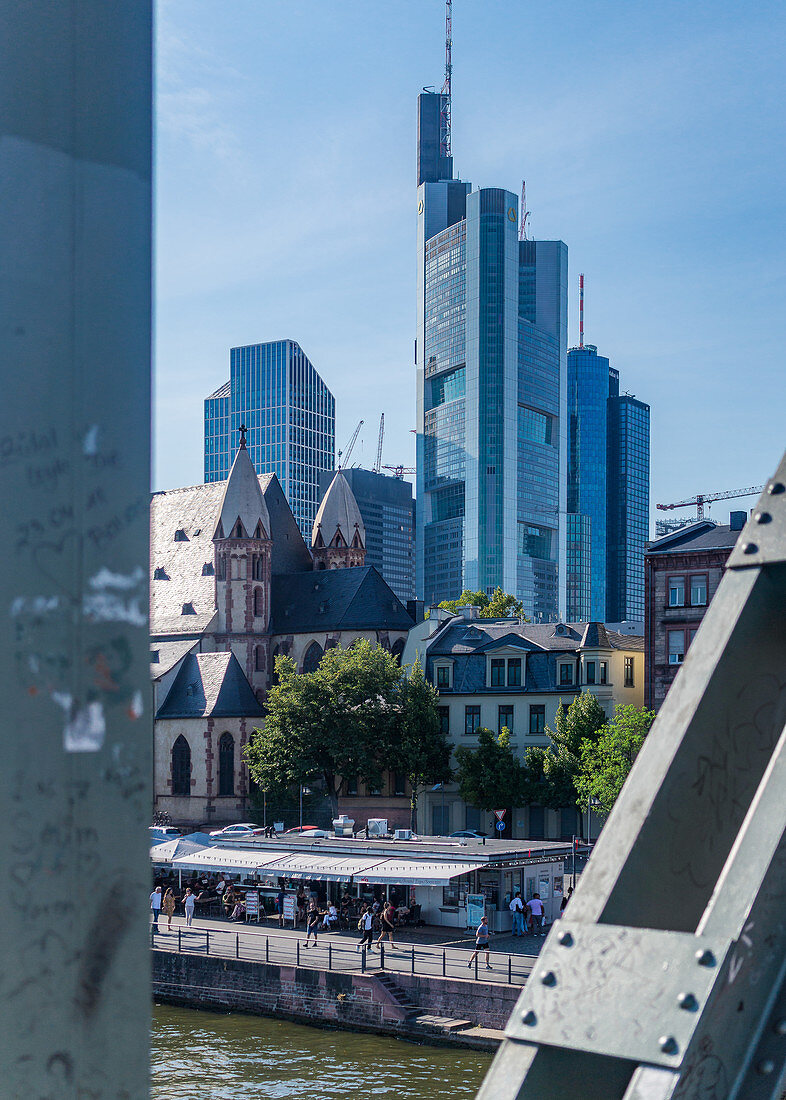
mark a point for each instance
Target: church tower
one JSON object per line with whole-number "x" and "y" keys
{"x": 338, "y": 539}
{"x": 242, "y": 548}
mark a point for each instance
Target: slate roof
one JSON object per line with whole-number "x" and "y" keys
{"x": 338, "y": 512}
{"x": 168, "y": 654}
{"x": 243, "y": 503}
{"x": 335, "y": 599}
{"x": 210, "y": 685}
{"x": 182, "y": 522}
{"x": 704, "y": 535}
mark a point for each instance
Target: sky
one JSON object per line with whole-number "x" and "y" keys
{"x": 651, "y": 137}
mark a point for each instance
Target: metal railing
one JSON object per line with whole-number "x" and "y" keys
{"x": 327, "y": 954}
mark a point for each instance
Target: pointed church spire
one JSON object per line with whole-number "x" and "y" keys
{"x": 338, "y": 538}
{"x": 243, "y": 512}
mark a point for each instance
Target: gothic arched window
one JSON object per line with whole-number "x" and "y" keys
{"x": 312, "y": 658}
{"x": 259, "y": 658}
{"x": 259, "y": 568}
{"x": 181, "y": 767}
{"x": 226, "y": 765}
{"x": 397, "y": 650}
{"x": 259, "y": 602}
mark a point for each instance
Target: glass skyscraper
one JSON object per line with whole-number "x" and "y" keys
{"x": 491, "y": 369}
{"x": 608, "y": 492}
{"x": 291, "y": 418}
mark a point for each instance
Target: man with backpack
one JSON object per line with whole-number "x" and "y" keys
{"x": 366, "y": 926}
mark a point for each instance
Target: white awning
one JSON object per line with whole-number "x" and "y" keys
{"x": 326, "y": 868}
{"x": 415, "y": 873}
{"x": 227, "y": 859}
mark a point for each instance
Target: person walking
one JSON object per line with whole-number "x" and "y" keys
{"x": 482, "y": 934}
{"x": 517, "y": 909}
{"x": 312, "y": 921}
{"x": 388, "y": 923}
{"x": 366, "y": 926}
{"x": 280, "y": 907}
{"x": 155, "y": 906}
{"x": 566, "y": 898}
{"x": 189, "y": 901}
{"x": 168, "y": 906}
{"x": 536, "y": 908}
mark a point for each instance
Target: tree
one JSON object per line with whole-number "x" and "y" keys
{"x": 607, "y": 759}
{"x": 422, "y": 751}
{"x": 489, "y": 776}
{"x": 498, "y": 606}
{"x": 329, "y": 725}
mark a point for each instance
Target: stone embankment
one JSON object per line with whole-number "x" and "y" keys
{"x": 417, "y": 1007}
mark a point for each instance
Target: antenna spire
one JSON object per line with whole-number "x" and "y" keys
{"x": 524, "y": 212}
{"x": 444, "y": 136}
{"x": 581, "y": 311}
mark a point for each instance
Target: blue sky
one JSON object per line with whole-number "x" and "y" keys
{"x": 652, "y": 141}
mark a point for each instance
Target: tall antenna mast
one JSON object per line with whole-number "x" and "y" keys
{"x": 444, "y": 136}
{"x": 581, "y": 311}
{"x": 524, "y": 212}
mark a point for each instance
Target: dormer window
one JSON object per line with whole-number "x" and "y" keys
{"x": 442, "y": 676}
{"x": 565, "y": 675}
{"x": 160, "y": 574}
{"x": 207, "y": 569}
{"x": 188, "y": 609}
{"x": 155, "y": 657}
{"x": 180, "y": 535}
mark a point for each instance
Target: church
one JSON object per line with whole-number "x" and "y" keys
{"x": 232, "y": 585}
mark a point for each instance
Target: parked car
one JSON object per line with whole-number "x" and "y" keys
{"x": 161, "y": 833}
{"x": 310, "y": 830}
{"x": 470, "y": 834}
{"x": 232, "y": 832}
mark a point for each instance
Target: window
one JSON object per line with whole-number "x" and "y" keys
{"x": 444, "y": 719}
{"x": 497, "y": 673}
{"x": 440, "y": 820}
{"x": 352, "y": 786}
{"x": 537, "y": 718}
{"x": 567, "y": 822}
{"x": 443, "y": 676}
{"x": 312, "y": 658}
{"x": 604, "y": 672}
{"x": 259, "y": 658}
{"x": 676, "y": 647}
{"x": 181, "y": 767}
{"x": 589, "y": 670}
{"x": 399, "y": 784}
{"x": 398, "y": 650}
{"x": 226, "y": 765}
{"x": 259, "y": 602}
{"x": 628, "y": 672}
{"x": 505, "y": 719}
{"x": 471, "y": 719}
{"x": 537, "y": 823}
{"x": 373, "y": 789}
{"x": 259, "y": 568}
{"x": 698, "y": 591}
{"x": 565, "y": 675}
{"x": 207, "y": 569}
{"x": 514, "y": 672}
{"x": 160, "y": 574}
{"x": 676, "y": 591}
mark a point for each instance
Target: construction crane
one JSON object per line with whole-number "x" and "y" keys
{"x": 524, "y": 212}
{"x": 399, "y": 471}
{"x": 707, "y": 498}
{"x": 348, "y": 449}
{"x": 378, "y": 463}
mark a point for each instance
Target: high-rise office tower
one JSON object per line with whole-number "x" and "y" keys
{"x": 388, "y": 512}
{"x": 608, "y": 492}
{"x": 491, "y": 389}
{"x": 291, "y": 419}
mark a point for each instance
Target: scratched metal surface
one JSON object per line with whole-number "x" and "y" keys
{"x": 75, "y": 186}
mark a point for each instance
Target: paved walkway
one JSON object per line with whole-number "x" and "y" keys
{"x": 436, "y": 951}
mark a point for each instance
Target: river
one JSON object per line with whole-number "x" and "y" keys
{"x": 205, "y": 1056}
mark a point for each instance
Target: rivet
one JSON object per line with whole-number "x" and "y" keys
{"x": 766, "y": 1067}
{"x": 688, "y": 1002}
{"x": 668, "y": 1044}
{"x": 780, "y": 1027}
{"x": 776, "y": 487}
{"x": 529, "y": 1018}
{"x": 565, "y": 939}
{"x": 749, "y": 548}
{"x": 548, "y": 977}
{"x": 763, "y": 517}
{"x": 705, "y": 958}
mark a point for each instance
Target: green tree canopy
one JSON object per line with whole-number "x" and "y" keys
{"x": 498, "y": 606}
{"x": 607, "y": 759}
{"x": 420, "y": 750}
{"x": 489, "y": 776}
{"x": 552, "y": 771}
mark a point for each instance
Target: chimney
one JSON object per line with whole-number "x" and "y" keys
{"x": 469, "y": 612}
{"x": 737, "y": 520}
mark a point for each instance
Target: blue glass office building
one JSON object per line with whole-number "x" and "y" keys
{"x": 291, "y": 419}
{"x": 608, "y": 493}
{"x": 491, "y": 390}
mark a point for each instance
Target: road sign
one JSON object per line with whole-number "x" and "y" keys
{"x": 499, "y": 814}
{"x": 500, "y": 826}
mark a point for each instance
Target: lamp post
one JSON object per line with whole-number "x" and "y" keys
{"x": 303, "y": 790}
{"x": 591, "y": 803}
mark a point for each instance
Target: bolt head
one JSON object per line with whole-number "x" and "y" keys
{"x": 705, "y": 957}
{"x": 548, "y": 977}
{"x": 763, "y": 517}
{"x": 749, "y": 548}
{"x": 529, "y": 1018}
{"x": 766, "y": 1067}
{"x": 780, "y": 1027}
{"x": 565, "y": 939}
{"x": 776, "y": 487}
{"x": 688, "y": 1002}
{"x": 668, "y": 1044}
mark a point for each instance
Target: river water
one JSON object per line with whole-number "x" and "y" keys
{"x": 204, "y": 1056}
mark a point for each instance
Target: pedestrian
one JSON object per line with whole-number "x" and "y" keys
{"x": 155, "y": 905}
{"x": 280, "y": 906}
{"x": 366, "y": 926}
{"x": 189, "y": 901}
{"x": 388, "y": 922}
{"x": 517, "y": 909}
{"x": 536, "y": 909}
{"x": 168, "y": 905}
{"x": 565, "y": 900}
{"x": 312, "y": 921}
{"x": 481, "y": 942}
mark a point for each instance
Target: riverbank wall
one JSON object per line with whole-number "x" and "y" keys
{"x": 421, "y": 1008}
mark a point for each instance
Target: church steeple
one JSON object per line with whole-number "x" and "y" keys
{"x": 243, "y": 512}
{"x": 338, "y": 538}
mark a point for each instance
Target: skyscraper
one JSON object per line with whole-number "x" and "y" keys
{"x": 388, "y": 512}
{"x": 291, "y": 419}
{"x": 491, "y": 370}
{"x": 608, "y": 492}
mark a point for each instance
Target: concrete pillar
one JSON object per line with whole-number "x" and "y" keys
{"x": 75, "y": 719}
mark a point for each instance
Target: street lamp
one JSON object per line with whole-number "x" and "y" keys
{"x": 592, "y": 803}
{"x": 303, "y": 790}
